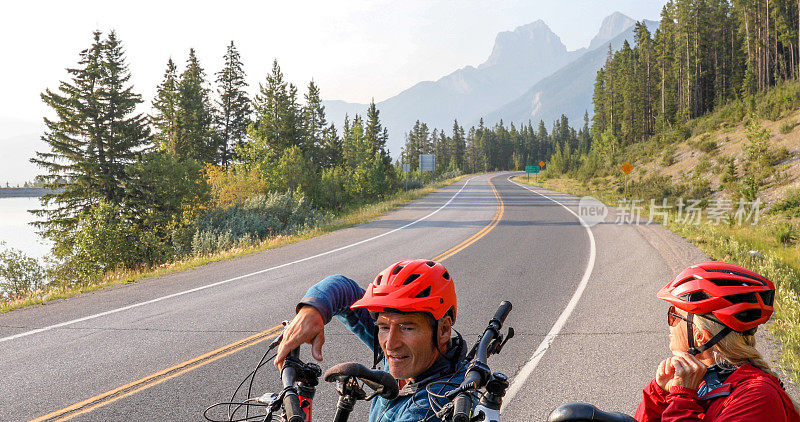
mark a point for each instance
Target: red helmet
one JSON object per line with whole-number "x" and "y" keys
{"x": 417, "y": 285}
{"x": 736, "y": 296}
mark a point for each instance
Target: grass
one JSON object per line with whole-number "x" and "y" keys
{"x": 779, "y": 261}
{"x": 347, "y": 218}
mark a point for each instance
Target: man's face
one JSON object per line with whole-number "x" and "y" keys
{"x": 406, "y": 341}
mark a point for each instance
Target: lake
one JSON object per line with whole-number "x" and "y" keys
{"x": 15, "y": 228}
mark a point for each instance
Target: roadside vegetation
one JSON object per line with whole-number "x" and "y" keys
{"x": 705, "y": 109}
{"x": 22, "y": 276}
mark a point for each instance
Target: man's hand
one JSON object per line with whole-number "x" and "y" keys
{"x": 306, "y": 327}
{"x": 689, "y": 371}
{"x": 664, "y": 374}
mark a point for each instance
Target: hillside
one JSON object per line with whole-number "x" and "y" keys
{"x": 731, "y": 141}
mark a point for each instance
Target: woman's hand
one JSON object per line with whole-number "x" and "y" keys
{"x": 688, "y": 370}
{"x": 664, "y": 374}
{"x": 306, "y": 327}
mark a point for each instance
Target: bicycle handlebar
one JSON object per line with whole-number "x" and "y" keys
{"x": 383, "y": 382}
{"x": 478, "y": 373}
{"x": 583, "y": 412}
{"x": 291, "y": 402}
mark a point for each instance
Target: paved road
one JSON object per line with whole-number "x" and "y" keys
{"x": 536, "y": 255}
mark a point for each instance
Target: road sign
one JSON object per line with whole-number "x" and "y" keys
{"x": 532, "y": 169}
{"x": 406, "y": 168}
{"x": 427, "y": 162}
{"x": 626, "y": 167}
{"x": 541, "y": 163}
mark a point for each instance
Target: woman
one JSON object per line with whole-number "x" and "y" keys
{"x": 716, "y": 373}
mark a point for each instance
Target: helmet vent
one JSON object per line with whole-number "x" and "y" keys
{"x": 695, "y": 296}
{"x": 749, "y": 315}
{"x": 411, "y": 278}
{"x": 446, "y": 275}
{"x": 378, "y": 280}
{"x": 424, "y": 293}
{"x": 756, "y": 281}
{"x": 768, "y": 297}
{"x": 430, "y": 264}
{"x": 724, "y": 282}
{"x": 743, "y": 298}
{"x": 397, "y": 269}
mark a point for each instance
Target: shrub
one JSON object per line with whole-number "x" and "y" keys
{"x": 104, "y": 240}
{"x": 255, "y": 219}
{"x": 19, "y": 273}
{"x": 654, "y": 186}
{"x": 790, "y": 205}
{"x": 786, "y": 234}
{"x": 668, "y": 157}
{"x": 788, "y": 126}
{"x": 706, "y": 144}
{"x": 703, "y": 166}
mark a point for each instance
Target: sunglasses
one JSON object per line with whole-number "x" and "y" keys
{"x": 673, "y": 317}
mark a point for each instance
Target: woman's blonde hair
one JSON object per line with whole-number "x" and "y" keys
{"x": 736, "y": 348}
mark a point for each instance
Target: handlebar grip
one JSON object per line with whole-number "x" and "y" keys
{"x": 461, "y": 407}
{"x": 502, "y": 312}
{"x": 291, "y": 404}
{"x": 376, "y": 379}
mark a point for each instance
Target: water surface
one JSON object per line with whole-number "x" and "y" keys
{"x": 15, "y": 228}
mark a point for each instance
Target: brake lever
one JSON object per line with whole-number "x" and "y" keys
{"x": 497, "y": 345}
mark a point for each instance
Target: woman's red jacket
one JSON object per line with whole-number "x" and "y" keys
{"x": 748, "y": 394}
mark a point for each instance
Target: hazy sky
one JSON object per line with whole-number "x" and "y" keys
{"x": 354, "y": 50}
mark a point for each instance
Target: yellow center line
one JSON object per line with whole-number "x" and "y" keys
{"x": 157, "y": 378}
{"x": 474, "y": 238}
{"x": 141, "y": 384}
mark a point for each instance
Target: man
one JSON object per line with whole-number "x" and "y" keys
{"x": 405, "y": 316}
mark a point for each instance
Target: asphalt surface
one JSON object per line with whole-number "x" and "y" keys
{"x": 60, "y": 354}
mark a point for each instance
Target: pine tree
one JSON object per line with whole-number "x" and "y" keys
{"x": 314, "y": 125}
{"x": 278, "y": 118}
{"x": 166, "y": 106}
{"x": 459, "y": 143}
{"x": 196, "y": 137}
{"x": 233, "y": 105}
{"x": 375, "y": 134}
{"x": 94, "y": 137}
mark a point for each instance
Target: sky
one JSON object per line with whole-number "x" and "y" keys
{"x": 354, "y": 50}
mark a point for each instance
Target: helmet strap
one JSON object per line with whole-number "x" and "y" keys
{"x": 693, "y": 350}
{"x": 377, "y": 352}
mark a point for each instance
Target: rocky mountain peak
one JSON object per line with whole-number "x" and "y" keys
{"x": 612, "y": 26}
{"x": 525, "y": 43}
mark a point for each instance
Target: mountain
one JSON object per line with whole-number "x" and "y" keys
{"x": 519, "y": 59}
{"x": 567, "y": 91}
{"x": 612, "y": 26}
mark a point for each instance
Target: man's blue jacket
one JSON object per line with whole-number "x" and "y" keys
{"x": 333, "y": 297}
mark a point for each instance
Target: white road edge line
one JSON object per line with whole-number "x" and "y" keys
{"x": 525, "y": 372}
{"x": 197, "y": 289}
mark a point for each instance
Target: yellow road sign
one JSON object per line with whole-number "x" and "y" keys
{"x": 626, "y": 167}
